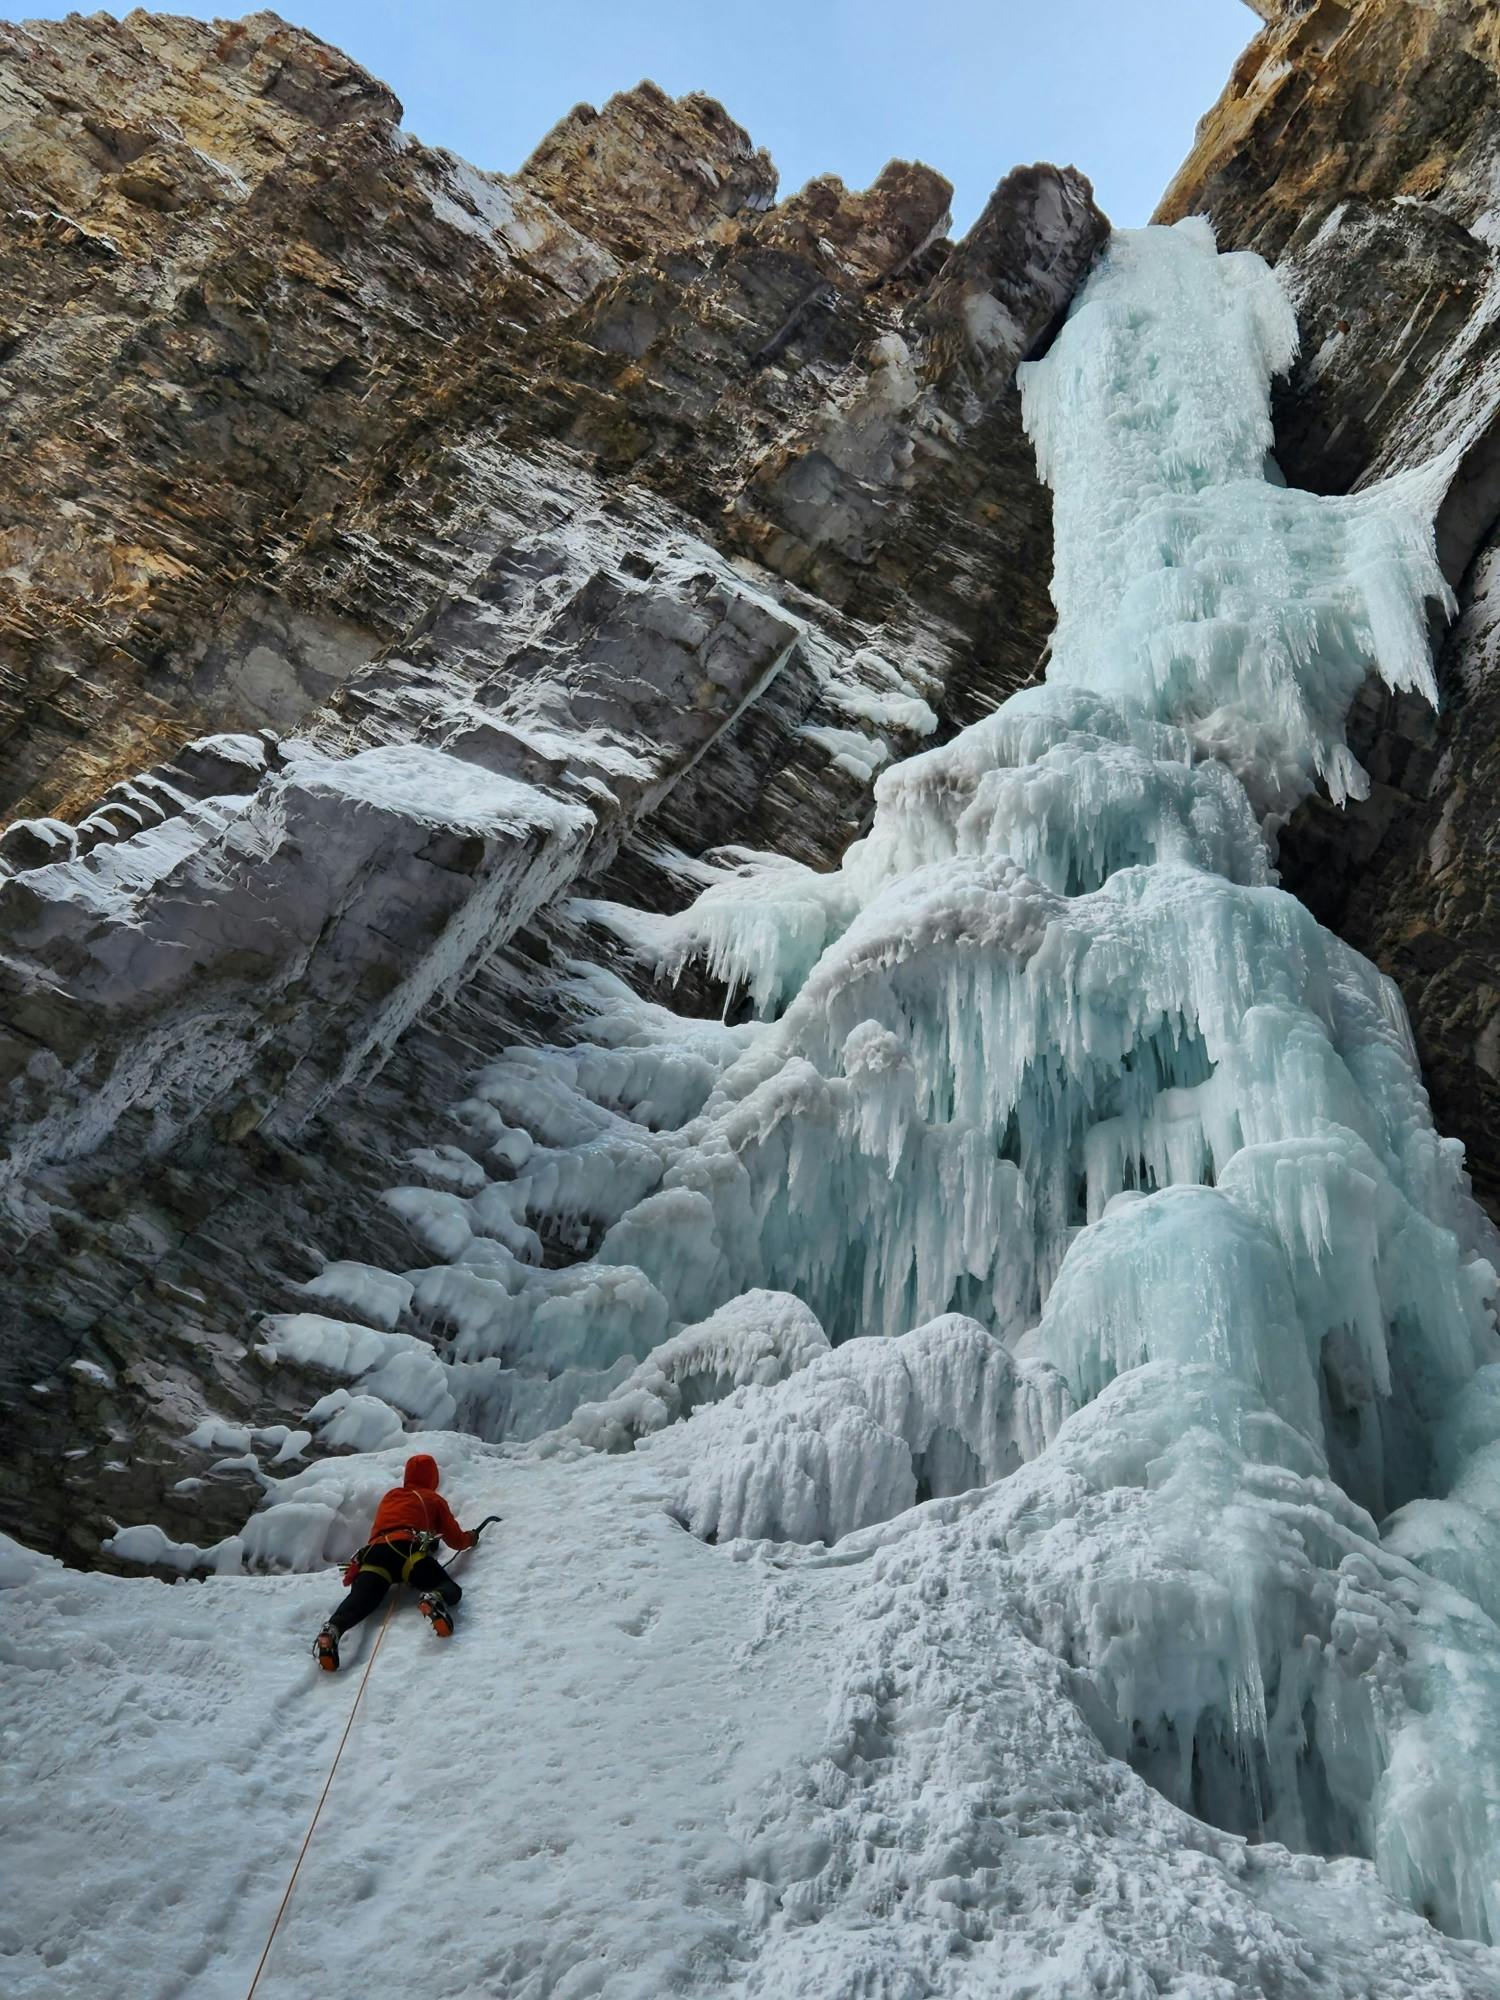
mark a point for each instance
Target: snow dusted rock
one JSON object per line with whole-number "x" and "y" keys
{"x": 363, "y": 887}
{"x": 31, "y": 843}
{"x": 624, "y": 688}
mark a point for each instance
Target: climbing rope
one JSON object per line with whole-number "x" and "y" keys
{"x": 333, "y": 1767}
{"x": 322, "y": 1800}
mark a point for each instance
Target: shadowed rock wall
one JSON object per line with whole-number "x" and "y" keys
{"x": 1357, "y": 147}
{"x": 390, "y": 551}
{"x": 386, "y": 549}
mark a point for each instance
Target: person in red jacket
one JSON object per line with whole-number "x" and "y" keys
{"x": 410, "y": 1522}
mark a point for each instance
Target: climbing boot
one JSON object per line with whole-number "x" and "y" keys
{"x": 434, "y": 1608}
{"x": 326, "y": 1649}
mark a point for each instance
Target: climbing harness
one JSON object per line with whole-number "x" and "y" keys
{"x": 422, "y": 1543}
{"x": 364, "y": 1682}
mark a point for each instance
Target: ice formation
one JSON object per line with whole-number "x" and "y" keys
{"x": 758, "y": 1338}
{"x": 1107, "y": 1173}
{"x": 864, "y": 1432}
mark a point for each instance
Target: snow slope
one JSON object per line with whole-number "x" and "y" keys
{"x": 549, "y": 1793}
{"x": 643, "y": 1767}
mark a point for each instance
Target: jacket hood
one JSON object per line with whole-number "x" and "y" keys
{"x": 421, "y": 1471}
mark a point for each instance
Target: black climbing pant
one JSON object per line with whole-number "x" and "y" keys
{"x": 369, "y": 1587}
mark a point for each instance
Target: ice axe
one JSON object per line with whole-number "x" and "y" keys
{"x": 485, "y": 1523}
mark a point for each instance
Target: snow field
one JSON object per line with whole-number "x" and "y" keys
{"x": 642, "y": 1767}
{"x": 544, "y": 1804}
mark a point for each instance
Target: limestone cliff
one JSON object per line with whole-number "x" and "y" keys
{"x": 1357, "y": 147}
{"x": 394, "y": 557}
{"x": 389, "y": 548}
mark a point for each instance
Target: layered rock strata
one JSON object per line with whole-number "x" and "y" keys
{"x": 389, "y": 549}
{"x": 390, "y": 552}
{"x": 1357, "y": 147}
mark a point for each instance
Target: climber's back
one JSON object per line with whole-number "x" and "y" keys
{"x": 410, "y": 1521}
{"x": 416, "y": 1507}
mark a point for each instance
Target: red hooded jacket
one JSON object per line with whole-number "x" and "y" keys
{"x": 416, "y": 1504}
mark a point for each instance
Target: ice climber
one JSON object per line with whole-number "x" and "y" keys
{"x": 410, "y": 1521}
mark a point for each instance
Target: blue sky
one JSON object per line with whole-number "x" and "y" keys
{"x": 829, "y": 86}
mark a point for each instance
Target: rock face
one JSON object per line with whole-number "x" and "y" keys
{"x": 396, "y": 557}
{"x": 1356, "y": 147}
{"x": 387, "y": 549}
{"x": 252, "y": 328}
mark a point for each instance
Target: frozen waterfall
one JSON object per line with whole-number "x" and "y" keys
{"x": 1069, "y": 1166}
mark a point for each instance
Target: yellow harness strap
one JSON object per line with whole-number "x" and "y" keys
{"x": 423, "y": 1548}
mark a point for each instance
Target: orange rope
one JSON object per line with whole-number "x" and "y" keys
{"x": 327, "y": 1783}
